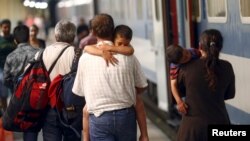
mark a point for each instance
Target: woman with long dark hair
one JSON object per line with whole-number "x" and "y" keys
{"x": 207, "y": 83}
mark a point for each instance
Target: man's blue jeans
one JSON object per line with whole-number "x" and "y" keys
{"x": 117, "y": 125}
{"x": 53, "y": 130}
{"x": 30, "y": 136}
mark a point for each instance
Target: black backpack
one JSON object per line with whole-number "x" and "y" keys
{"x": 29, "y": 103}
{"x": 68, "y": 105}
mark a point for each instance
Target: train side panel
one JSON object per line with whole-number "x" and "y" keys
{"x": 236, "y": 50}
{"x": 146, "y": 19}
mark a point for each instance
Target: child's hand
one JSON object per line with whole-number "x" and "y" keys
{"x": 109, "y": 58}
{"x": 182, "y": 107}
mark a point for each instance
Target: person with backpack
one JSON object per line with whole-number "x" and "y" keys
{"x": 16, "y": 62}
{"x": 53, "y": 129}
{"x": 7, "y": 45}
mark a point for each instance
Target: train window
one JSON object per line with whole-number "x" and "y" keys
{"x": 157, "y": 14}
{"x": 245, "y": 11}
{"x": 149, "y": 10}
{"x": 131, "y": 7}
{"x": 104, "y": 6}
{"x": 118, "y": 9}
{"x": 139, "y": 9}
{"x": 196, "y": 10}
{"x": 216, "y": 11}
{"x": 128, "y": 10}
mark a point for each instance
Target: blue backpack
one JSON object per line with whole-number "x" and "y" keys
{"x": 68, "y": 104}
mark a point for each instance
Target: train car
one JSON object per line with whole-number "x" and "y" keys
{"x": 232, "y": 19}
{"x": 75, "y": 9}
{"x": 145, "y": 17}
{"x": 158, "y": 23}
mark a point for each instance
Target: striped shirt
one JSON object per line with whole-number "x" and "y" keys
{"x": 108, "y": 88}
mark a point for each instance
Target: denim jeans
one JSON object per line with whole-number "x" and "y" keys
{"x": 117, "y": 125}
{"x": 30, "y": 136}
{"x": 53, "y": 130}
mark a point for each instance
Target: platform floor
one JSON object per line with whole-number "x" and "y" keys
{"x": 155, "y": 134}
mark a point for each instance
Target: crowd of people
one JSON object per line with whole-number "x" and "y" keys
{"x": 112, "y": 81}
{"x": 118, "y": 91}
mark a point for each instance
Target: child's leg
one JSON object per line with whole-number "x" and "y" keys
{"x": 85, "y": 124}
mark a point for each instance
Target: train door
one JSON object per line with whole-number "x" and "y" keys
{"x": 180, "y": 19}
{"x": 185, "y": 23}
{"x": 159, "y": 50}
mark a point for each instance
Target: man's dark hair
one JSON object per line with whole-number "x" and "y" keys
{"x": 123, "y": 31}
{"x": 174, "y": 53}
{"x": 82, "y": 28}
{"x": 21, "y": 34}
{"x": 35, "y": 26}
{"x": 5, "y": 21}
{"x": 90, "y": 24}
{"x": 103, "y": 26}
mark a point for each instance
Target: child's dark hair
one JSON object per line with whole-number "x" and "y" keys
{"x": 21, "y": 34}
{"x": 123, "y": 31}
{"x": 174, "y": 53}
{"x": 211, "y": 42}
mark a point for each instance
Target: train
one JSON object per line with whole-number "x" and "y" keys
{"x": 158, "y": 23}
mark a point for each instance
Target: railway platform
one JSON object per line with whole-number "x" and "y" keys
{"x": 155, "y": 134}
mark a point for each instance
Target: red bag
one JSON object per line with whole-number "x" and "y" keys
{"x": 29, "y": 102}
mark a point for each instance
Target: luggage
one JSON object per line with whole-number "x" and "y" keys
{"x": 29, "y": 103}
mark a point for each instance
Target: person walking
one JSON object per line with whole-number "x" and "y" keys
{"x": 53, "y": 129}
{"x": 207, "y": 83}
{"x": 16, "y": 62}
{"x": 7, "y": 45}
{"x": 34, "y": 41}
{"x": 110, "y": 91}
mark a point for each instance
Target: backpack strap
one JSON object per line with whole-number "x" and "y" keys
{"x": 54, "y": 63}
{"x": 74, "y": 66}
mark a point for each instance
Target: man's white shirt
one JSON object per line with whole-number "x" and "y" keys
{"x": 108, "y": 88}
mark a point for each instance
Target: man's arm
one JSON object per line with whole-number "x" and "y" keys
{"x": 7, "y": 75}
{"x": 141, "y": 118}
{"x": 140, "y": 90}
{"x": 85, "y": 124}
